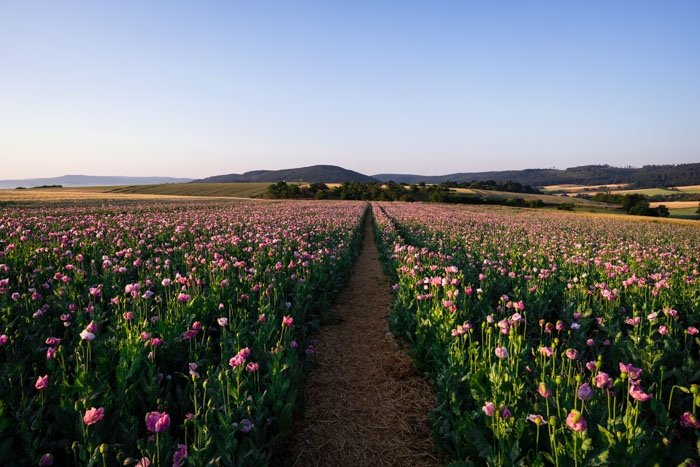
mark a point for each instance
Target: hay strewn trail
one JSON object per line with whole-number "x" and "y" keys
{"x": 366, "y": 404}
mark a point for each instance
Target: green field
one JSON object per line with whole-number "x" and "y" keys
{"x": 229, "y": 190}
{"x": 547, "y": 199}
{"x": 684, "y": 213}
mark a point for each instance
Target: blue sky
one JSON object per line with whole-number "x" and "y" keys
{"x": 194, "y": 89}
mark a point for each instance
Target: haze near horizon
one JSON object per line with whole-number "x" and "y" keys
{"x": 185, "y": 89}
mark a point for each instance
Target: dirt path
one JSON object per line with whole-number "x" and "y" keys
{"x": 365, "y": 403}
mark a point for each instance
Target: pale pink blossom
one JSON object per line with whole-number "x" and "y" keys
{"x": 638, "y": 393}
{"x": 87, "y": 336}
{"x": 489, "y": 409}
{"x": 236, "y": 361}
{"x": 537, "y": 419}
{"x": 42, "y": 382}
{"x": 93, "y": 415}
{"x": 575, "y": 421}
{"x": 602, "y": 380}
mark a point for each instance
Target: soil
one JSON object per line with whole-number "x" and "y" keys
{"x": 365, "y": 402}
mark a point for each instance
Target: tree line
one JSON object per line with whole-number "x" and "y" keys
{"x": 392, "y": 191}
{"x": 634, "y": 203}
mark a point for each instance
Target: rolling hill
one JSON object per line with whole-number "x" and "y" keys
{"x": 315, "y": 173}
{"x": 650, "y": 176}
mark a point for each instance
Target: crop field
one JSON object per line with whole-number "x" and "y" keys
{"x": 618, "y": 189}
{"x": 141, "y": 329}
{"x": 235, "y": 190}
{"x": 162, "y": 333}
{"x": 551, "y": 339}
{"x": 78, "y": 195}
{"x": 660, "y": 191}
{"x": 549, "y": 199}
{"x": 575, "y": 189}
{"x": 680, "y": 209}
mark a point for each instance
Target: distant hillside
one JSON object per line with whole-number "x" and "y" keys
{"x": 315, "y": 173}
{"x": 649, "y": 176}
{"x": 88, "y": 180}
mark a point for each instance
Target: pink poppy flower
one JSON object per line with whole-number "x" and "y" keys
{"x": 236, "y": 361}
{"x": 489, "y": 409}
{"x": 544, "y": 390}
{"x": 632, "y": 372}
{"x": 689, "y": 420}
{"x": 575, "y": 421}
{"x": 180, "y": 455}
{"x": 501, "y": 352}
{"x": 42, "y": 382}
{"x": 87, "y": 335}
{"x": 537, "y": 419}
{"x": 157, "y": 422}
{"x": 602, "y": 380}
{"x": 638, "y": 393}
{"x": 93, "y": 415}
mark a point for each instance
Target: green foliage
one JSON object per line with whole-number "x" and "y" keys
{"x": 170, "y": 293}
{"x": 496, "y": 303}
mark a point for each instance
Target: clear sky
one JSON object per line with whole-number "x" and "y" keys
{"x": 200, "y": 88}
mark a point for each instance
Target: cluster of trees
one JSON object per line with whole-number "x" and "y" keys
{"x": 492, "y": 185}
{"x": 39, "y": 187}
{"x": 283, "y": 190}
{"x": 391, "y": 191}
{"x": 367, "y": 191}
{"x": 635, "y": 204}
{"x": 678, "y": 196}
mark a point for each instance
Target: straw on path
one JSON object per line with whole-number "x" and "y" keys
{"x": 365, "y": 402}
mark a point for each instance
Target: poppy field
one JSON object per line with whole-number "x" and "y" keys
{"x": 162, "y": 333}
{"x": 551, "y": 339}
